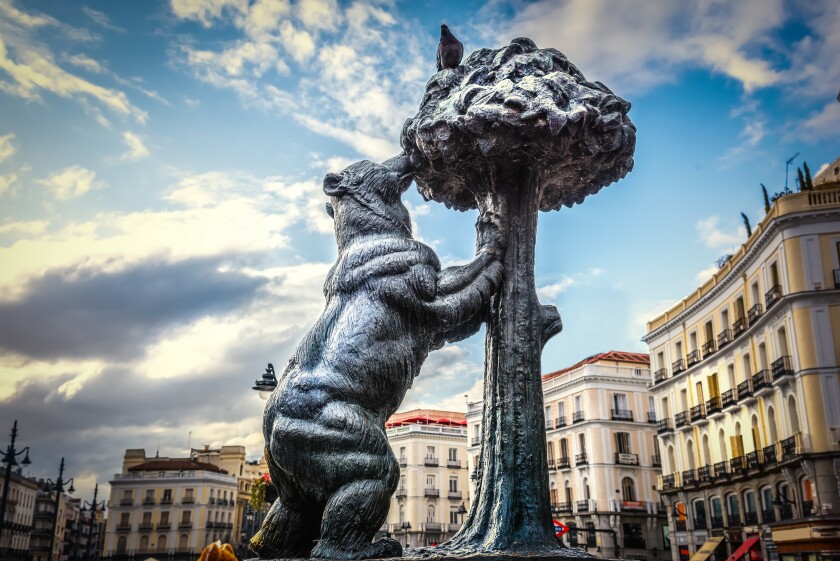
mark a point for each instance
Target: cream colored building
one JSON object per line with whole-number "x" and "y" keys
{"x": 431, "y": 495}
{"x": 20, "y": 511}
{"x": 603, "y": 457}
{"x": 168, "y": 507}
{"x": 746, "y": 387}
{"x": 42, "y": 524}
{"x": 232, "y": 460}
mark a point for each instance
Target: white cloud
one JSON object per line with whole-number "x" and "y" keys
{"x": 7, "y": 147}
{"x": 86, "y": 63}
{"x": 6, "y": 182}
{"x": 706, "y": 274}
{"x": 713, "y": 237}
{"x": 550, "y": 292}
{"x": 136, "y": 149}
{"x": 205, "y": 11}
{"x": 26, "y": 228}
{"x": 319, "y": 14}
{"x": 71, "y": 182}
{"x": 101, "y": 19}
{"x": 824, "y": 123}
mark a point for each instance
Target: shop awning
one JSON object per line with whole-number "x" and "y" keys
{"x": 745, "y": 547}
{"x": 708, "y": 548}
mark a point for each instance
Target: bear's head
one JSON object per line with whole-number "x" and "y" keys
{"x": 365, "y": 200}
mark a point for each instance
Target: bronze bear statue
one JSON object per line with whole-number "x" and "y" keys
{"x": 388, "y": 303}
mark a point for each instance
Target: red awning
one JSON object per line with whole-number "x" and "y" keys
{"x": 745, "y": 547}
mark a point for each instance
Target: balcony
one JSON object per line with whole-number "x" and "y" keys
{"x": 146, "y": 526}
{"x": 430, "y": 461}
{"x": 563, "y": 463}
{"x": 622, "y": 415}
{"x": 583, "y": 506}
{"x": 789, "y": 447}
{"x": 149, "y": 501}
{"x": 681, "y": 419}
{"x": 704, "y": 474}
{"x": 209, "y": 525}
{"x": 664, "y": 425}
{"x": 700, "y": 523}
{"x": 432, "y": 526}
{"x": 720, "y": 469}
{"x": 753, "y": 460}
{"x": 762, "y": 382}
{"x": 698, "y": 412}
{"x": 680, "y": 524}
{"x": 724, "y": 338}
{"x": 772, "y": 296}
{"x": 709, "y": 348}
{"x": 549, "y": 424}
{"x": 785, "y": 511}
{"x": 475, "y": 441}
{"x": 578, "y": 417}
{"x": 454, "y": 464}
{"x": 560, "y": 422}
{"x": 551, "y": 464}
{"x": 745, "y": 390}
{"x": 185, "y": 524}
{"x": 769, "y": 454}
{"x": 736, "y": 465}
{"x": 807, "y": 508}
{"x": 713, "y": 406}
{"x": 403, "y": 462}
{"x": 164, "y": 525}
{"x": 124, "y": 527}
{"x": 429, "y": 492}
{"x": 754, "y": 313}
{"x": 656, "y": 460}
{"x": 728, "y": 398}
{"x": 126, "y": 501}
{"x": 561, "y": 507}
{"x": 677, "y": 366}
{"x": 693, "y": 358}
{"x": 626, "y": 459}
{"x": 782, "y": 367}
{"x": 717, "y": 522}
{"x": 188, "y": 500}
{"x": 768, "y": 515}
{"x": 402, "y": 493}
{"x": 212, "y": 501}
{"x": 689, "y": 477}
{"x": 166, "y": 501}
{"x": 739, "y": 326}
{"x": 454, "y": 494}
{"x": 660, "y": 375}
{"x": 580, "y": 459}
{"x": 750, "y": 518}
{"x": 668, "y": 482}
{"x": 734, "y": 519}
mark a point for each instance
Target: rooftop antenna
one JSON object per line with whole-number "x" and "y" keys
{"x": 787, "y": 165}
{"x": 189, "y": 445}
{"x": 157, "y": 450}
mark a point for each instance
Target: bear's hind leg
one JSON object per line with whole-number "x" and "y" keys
{"x": 283, "y": 534}
{"x": 352, "y": 517}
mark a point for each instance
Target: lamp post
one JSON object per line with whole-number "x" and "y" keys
{"x": 462, "y": 510}
{"x": 10, "y": 461}
{"x": 94, "y": 508}
{"x": 58, "y": 487}
{"x": 267, "y": 383}
{"x": 406, "y": 526}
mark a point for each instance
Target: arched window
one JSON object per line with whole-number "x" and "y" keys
{"x": 402, "y": 514}
{"x": 699, "y": 510}
{"x": 750, "y": 515}
{"x": 161, "y": 543}
{"x": 707, "y": 451}
{"x": 144, "y": 543}
{"x": 733, "y": 510}
{"x": 122, "y": 544}
{"x": 183, "y": 541}
{"x": 756, "y": 433}
{"x": 717, "y": 512}
{"x": 586, "y": 493}
{"x": 783, "y": 344}
{"x": 430, "y": 513}
{"x": 628, "y": 489}
{"x": 690, "y": 453}
{"x": 722, "y": 445}
{"x": 793, "y": 414}
{"x": 672, "y": 460}
{"x": 771, "y": 425}
{"x": 768, "y": 513}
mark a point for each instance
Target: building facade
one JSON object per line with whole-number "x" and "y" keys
{"x": 20, "y": 511}
{"x": 232, "y": 460}
{"x": 602, "y": 455}
{"x": 170, "y": 507}
{"x": 431, "y": 497}
{"x": 747, "y": 392}
{"x": 48, "y": 526}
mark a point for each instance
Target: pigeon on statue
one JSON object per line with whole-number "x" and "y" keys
{"x": 450, "y": 50}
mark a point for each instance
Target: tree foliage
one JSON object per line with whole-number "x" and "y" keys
{"x": 747, "y": 225}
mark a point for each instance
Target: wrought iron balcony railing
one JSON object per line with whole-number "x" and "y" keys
{"x": 698, "y": 412}
{"x": 664, "y": 425}
{"x": 724, "y": 338}
{"x": 782, "y": 367}
{"x": 754, "y": 313}
{"x": 660, "y": 375}
{"x": 745, "y": 390}
{"x": 713, "y": 406}
{"x": 678, "y": 366}
{"x": 728, "y": 398}
{"x": 681, "y": 419}
{"x": 580, "y": 459}
{"x": 622, "y": 415}
{"x": 560, "y": 422}
{"x": 761, "y": 380}
{"x": 693, "y": 357}
{"x": 563, "y": 462}
{"x": 651, "y": 417}
{"x": 772, "y": 296}
{"x": 578, "y": 417}
{"x": 769, "y": 453}
{"x": 739, "y": 326}
{"x": 709, "y": 347}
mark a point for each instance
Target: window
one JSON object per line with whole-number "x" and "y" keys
{"x": 453, "y": 454}
{"x": 709, "y": 331}
{"x": 620, "y": 401}
{"x": 578, "y": 404}
{"x": 125, "y": 519}
{"x": 582, "y": 443}
{"x": 430, "y": 482}
{"x": 749, "y": 501}
{"x": 453, "y": 484}
{"x": 622, "y": 442}
{"x": 699, "y": 515}
{"x": 453, "y": 516}
{"x": 564, "y": 448}
{"x": 754, "y": 295}
{"x": 634, "y": 537}
{"x": 183, "y": 541}
{"x": 732, "y": 507}
{"x": 164, "y": 517}
{"x": 430, "y": 513}
{"x": 147, "y": 518}
{"x": 402, "y": 514}
{"x": 590, "y": 535}
{"x": 402, "y": 453}
{"x": 692, "y": 341}
{"x": 122, "y": 544}
{"x": 186, "y": 517}
{"x": 628, "y": 489}
{"x": 161, "y": 542}
{"x": 167, "y": 495}
{"x": 430, "y": 451}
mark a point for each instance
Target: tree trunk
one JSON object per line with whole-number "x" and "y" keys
{"x": 511, "y": 511}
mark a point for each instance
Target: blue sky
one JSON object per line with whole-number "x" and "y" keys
{"x": 162, "y": 228}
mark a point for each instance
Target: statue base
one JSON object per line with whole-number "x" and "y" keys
{"x": 428, "y": 554}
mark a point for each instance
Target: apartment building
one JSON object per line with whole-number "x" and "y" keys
{"x": 232, "y": 460}
{"x": 20, "y": 511}
{"x": 747, "y": 393}
{"x": 602, "y": 454}
{"x": 48, "y": 526}
{"x": 431, "y": 498}
{"x": 169, "y": 507}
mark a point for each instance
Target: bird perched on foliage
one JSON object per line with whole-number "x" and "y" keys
{"x": 450, "y": 50}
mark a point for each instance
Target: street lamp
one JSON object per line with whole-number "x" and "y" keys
{"x": 10, "y": 461}
{"x": 267, "y": 383}
{"x": 406, "y": 526}
{"x": 94, "y": 507}
{"x": 462, "y": 510}
{"x": 58, "y": 487}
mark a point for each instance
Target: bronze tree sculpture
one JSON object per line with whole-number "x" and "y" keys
{"x": 513, "y": 131}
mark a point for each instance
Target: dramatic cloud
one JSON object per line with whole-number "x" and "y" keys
{"x": 7, "y": 147}
{"x": 136, "y": 149}
{"x": 71, "y": 182}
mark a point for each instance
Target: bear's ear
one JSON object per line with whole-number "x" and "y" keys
{"x": 332, "y": 185}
